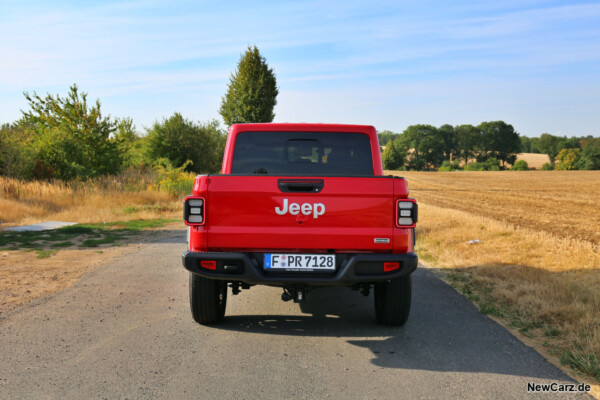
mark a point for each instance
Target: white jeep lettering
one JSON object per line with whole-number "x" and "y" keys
{"x": 294, "y": 208}
{"x": 283, "y": 209}
{"x": 315, "y": 209}
{"x": 319, "y": 209}
{"x": 307, "y": 209}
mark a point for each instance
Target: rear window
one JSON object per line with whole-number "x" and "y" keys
{"x": 302, "y": 153}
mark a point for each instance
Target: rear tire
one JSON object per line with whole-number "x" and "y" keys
{"x": 208, "y": 299}
{"x": 392, "y": 301}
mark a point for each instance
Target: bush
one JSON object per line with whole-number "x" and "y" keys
{"x": 17, "y": 155}
{"x": 567, "y": 159}
{"x": 474, "y": 166}
{"x": 448, "y": 166}
{"x": 179, "y": 139}
{"x": 491, "y": 164}
{"x": 547, "y": 167}
{"x": 393, "y": 156}
{"x": 174, "y": 180}
{"x": 520, "y": 165}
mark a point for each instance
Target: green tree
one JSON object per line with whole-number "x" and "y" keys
{"x": 468, "y": 138}
{"x": 450, "y": 141}
{"x": 252, "y": 91}
{"x": 500, "y": 141}
{"x": 385, "y": 137}
{"x": 17, "y": 154}
{"x": 72, "y": 139}
{"x": 423, "y": 146}
{"x": 551, "y": 145}
{"x": 534, "y": 145}
{"x": 567, "y": 159}
{"x": 129, "y": 144}
{"x": 393, "y": 156}
{"x": 590, "y": 155}
{"x": 530, "y": 145}
{"x": 179, "y": 140}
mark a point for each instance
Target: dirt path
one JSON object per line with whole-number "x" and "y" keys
{"x": 24, "y": 277}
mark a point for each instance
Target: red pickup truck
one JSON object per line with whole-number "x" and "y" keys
{"x": 300, "y": 206}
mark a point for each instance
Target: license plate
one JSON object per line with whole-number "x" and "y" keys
{"x": 300, "y": 262}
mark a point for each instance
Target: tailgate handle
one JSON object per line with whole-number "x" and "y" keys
{"x": 300, "y": 185}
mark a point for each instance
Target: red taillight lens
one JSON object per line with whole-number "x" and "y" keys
{"x": 390, "y": 266}
{"x": 208, "y": 264}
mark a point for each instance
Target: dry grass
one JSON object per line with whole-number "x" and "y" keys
{"x": 534, "y": 160}
{"x": 537, "y": 265}
{"x": 120, "y": 198}
{"x": 130, "y": 196}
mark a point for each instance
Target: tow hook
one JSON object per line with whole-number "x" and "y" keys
{"x": 237, "y": 286}
{"x": 298, "y": 295}
{"x": 365, "y": 290}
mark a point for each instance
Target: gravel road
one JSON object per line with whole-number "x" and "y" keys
{"x": 125, "y": 331}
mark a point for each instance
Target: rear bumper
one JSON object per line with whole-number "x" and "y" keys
{"x": 350, "y": 269}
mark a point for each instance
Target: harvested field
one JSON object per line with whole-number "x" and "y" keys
{"x": 536, "y": 266}
{"x": 564, "y": 203}
{"x": 534, "y": 160}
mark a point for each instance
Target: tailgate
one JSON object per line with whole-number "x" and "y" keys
{"x": 267, "y": 213}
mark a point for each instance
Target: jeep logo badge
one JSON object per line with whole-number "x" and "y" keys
{"x": 315, "y": 209}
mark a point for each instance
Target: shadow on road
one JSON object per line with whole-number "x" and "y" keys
{"x": 445, "y": 332}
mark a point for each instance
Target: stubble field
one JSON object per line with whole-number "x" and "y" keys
{"x": 534, "y": 263}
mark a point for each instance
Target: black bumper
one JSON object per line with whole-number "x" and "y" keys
{"x": 350, "y": 269}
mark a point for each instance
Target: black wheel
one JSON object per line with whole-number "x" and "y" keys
{"x": 392, "y": 301}
{"x": 208, "y": 298}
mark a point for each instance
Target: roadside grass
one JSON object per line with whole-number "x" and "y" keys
{"x": 544, "y": 287}
{"x": 49, "y": 242}
{"x": 35, "y": 264}
{"x": 45, "y": 253}
{"x": 132, "y": 195}
{"x": 536, "y": 267}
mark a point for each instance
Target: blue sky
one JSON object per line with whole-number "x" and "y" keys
{"x": 534, "y": 64}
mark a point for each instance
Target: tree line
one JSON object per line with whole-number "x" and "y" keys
{"x": 488, "y": 146}
{"x": 565, "y": 153}
{"x": 69, "y": 138}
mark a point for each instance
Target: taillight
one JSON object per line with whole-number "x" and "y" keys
{"x": 407, "y": 213}
{"x": 212, "y": 265}
{"x": 193, "y": 210}
{"x": 390, "y": 266}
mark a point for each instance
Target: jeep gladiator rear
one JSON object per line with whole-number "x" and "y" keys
{"x": 300, "y": 206}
